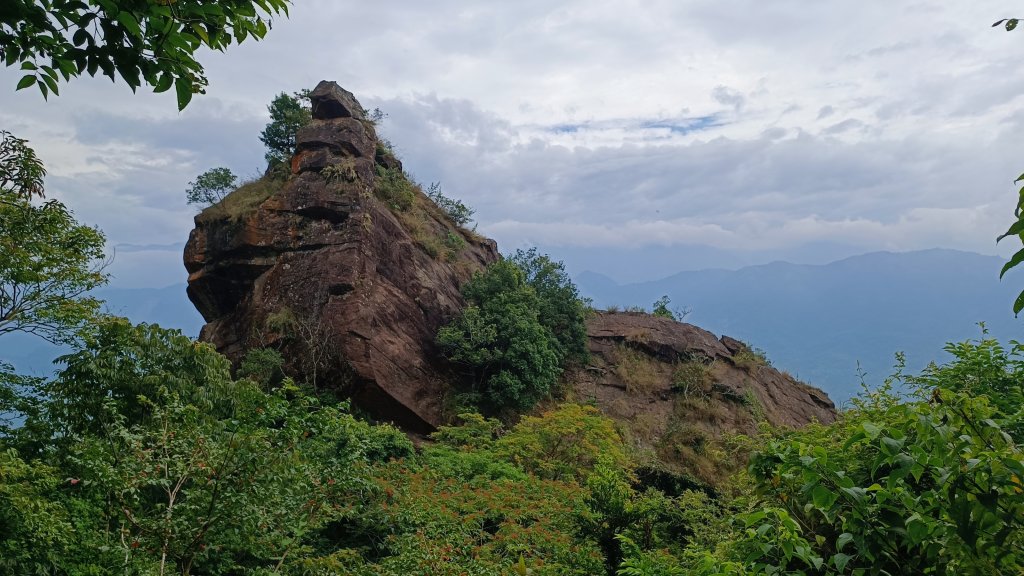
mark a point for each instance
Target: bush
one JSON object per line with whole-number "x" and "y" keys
{"x": 661, "y": 308}
{"x": 394, "y": 187}
{"x": 455, "y": 209}
{"x": 749, "y": 358}
{"x": 511, "y": 357}
{"x": 561, "y": 309}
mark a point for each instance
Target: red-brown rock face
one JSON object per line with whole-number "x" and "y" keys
{"x": 352, "y": 292}
{"x": 676, "y": 388}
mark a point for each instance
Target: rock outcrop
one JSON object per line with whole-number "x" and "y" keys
{"x": 675, "y": 387}
{"x": 350, "y": 270}
{"x": 351, "y": 289}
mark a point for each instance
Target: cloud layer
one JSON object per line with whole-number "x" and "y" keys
{"x": 747, "y": 127}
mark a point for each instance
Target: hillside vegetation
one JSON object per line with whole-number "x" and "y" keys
{"x": 151, "y": 453}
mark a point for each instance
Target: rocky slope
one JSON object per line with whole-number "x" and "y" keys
{"x": 350, "y": 270}
{"x": 321, "y": 267}
{"x": 676, "y": 389}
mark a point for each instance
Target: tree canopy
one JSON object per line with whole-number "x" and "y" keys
{"x": 50, "y": 263}
{"x": 211, "y": 186}
{"x": 21, "y": 172}
{"x": 142, "y": 41}
{"x": 288, "y": 113}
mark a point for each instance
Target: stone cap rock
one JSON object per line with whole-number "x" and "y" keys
{"x": 332, "y": 101}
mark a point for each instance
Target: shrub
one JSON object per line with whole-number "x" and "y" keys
{"x": 455, "y": 209}
{"x": 499, "y": 339}
{"x": 243, "y": 201}
{"x": 749, "y": 358}
{"x": 394, "y": 187}
{"x": 692, "y": 379}
{"x": 661, "y": 308}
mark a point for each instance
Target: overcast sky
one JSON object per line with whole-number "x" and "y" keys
{"x": 670, "y": 134}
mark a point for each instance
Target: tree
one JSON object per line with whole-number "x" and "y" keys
{"x": 151, "y": 42}
{"x": 560, "y": 308}
{"x": 211, "y": 186}
{"x": 512, "y": 357}
{"x": 50, "y": 263}
{"x": 21, "y": 172}
{"x": 287, "y": 115}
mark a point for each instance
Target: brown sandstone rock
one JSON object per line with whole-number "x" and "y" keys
{"x": 324, "y": 271}
{"x": 674, "y": 386}
{"x": 332, "y": 101}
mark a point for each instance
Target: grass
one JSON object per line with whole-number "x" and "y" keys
{"x": 750, "y": 358}
{"x": 638, "y": 371}
{"x": 395, "y": 188}
{"x": 243, "y": 201}
{"x": 693, "y": 379}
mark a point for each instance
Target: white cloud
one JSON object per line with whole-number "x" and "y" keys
{"x": 745, "y": 125}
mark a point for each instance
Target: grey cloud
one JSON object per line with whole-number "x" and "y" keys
{"x": 729, "y": 97}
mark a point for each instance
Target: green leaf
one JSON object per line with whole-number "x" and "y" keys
{"x": 1018, "y": 304}
{"x": 127, "y": 19}
{"x": 52, "y": 84}
{"x": 26, "y": 81}
{"x": 183, "y": 88}
{"x": 1014, "y": 230}
{"x": 841, "y": 560}
{"x": 164, "y": 84}
{"x": 1017, "y": 259}
{"x": 823, "y": 498}
{"x": 844, "y": 539}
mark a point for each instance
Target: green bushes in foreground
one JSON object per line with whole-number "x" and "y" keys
{"x": 144, "y": 455}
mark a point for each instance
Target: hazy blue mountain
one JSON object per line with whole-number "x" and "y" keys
{"x": 819, "y": 321}
{"x": 168, "y": 307}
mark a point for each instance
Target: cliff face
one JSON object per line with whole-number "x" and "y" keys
{"x": 352, "y": 291}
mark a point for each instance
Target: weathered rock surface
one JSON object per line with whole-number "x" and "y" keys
{"x": 675, "y": 386}
{"x": 324, "y": 271}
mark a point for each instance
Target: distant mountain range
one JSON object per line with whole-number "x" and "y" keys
{"x": 816, "y": 321}
{"x": 819, "y": 321}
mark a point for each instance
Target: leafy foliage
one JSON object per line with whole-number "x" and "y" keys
{"x": 561, "y": 309}
{"x": 50, "y": 263}
{"x": 512, "y": 358}
{"x": 211, "y": 187}
{"x": 926, "y": 486}
{"x": 142, "y": 42}
{"x": 170, "y": 465}
{"x": 21, "y": 172}
{"x": 288, "y": 113}
{"x": 454, "y": 208}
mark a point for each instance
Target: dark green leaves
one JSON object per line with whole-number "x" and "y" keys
{"x": 151, "y": 42}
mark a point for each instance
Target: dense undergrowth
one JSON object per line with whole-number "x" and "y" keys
{"x": 145, "y": 456}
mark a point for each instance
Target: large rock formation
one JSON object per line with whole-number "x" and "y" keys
{"x": 352, "y": 290}
{"x": 676, "y": 389}
{"x": 350, "y": 270}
